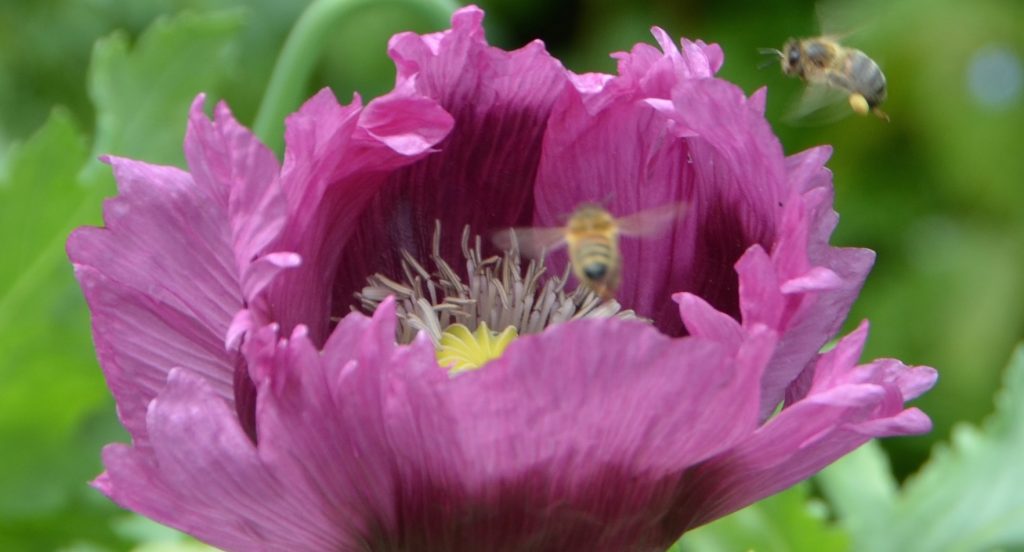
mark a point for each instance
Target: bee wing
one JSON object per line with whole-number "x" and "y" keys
{"x": 651, "y": 221}
{"x": 819, "y": 104}
{"x": 839, "y": 19}
{"x": 531, "y": 242}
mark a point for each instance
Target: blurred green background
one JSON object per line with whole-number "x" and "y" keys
{"x": 938, "y": 192}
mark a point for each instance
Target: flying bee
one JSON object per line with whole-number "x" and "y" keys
{"x": 823, "y": 61}
{"x": 592, "y": 236}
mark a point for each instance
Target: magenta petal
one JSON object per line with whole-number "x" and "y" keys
{"x": 139, "y": 339}
{"x": 161, "y": 284}
{"x": 912, "y": 381}
{"x": 846, "y": 406}
{"x": 203, "y": 467}
{"x": 675, "y": 400}
{"x": 816, "y": 279}
{"x": 242, "y": 174}
{"x": 261, "y": 272}
{"x": 550, "y": 459}
{"x": 909, "y": 422}
{"x": 804, "y": 290}
{"x": 666, "y": 132}
{"x": 409, "y": 125}
{"x": 482, "y": 174}
{"x": 702, "y": 320}
{"x": 351, "y": 442}
{"x": 337, "y": 157}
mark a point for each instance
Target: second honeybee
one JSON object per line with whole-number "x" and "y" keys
{"x": 824, "y": 61}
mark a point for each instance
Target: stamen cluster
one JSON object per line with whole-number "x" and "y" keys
{"x": 498, "y": 292}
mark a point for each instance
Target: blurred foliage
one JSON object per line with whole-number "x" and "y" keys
{"x": 967, "y": 497}
{"x": 790, "y": 521}
{"x": 937, "y": 192}
{"x": 153, "y": 84}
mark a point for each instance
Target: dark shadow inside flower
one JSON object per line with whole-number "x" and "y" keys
{"x": 529, "y": 143}
{"x": 646, "y": 166}
{"x": 705, "y": 148}
{"x": 480, "y": 178}
{"x": 481, "y": 175}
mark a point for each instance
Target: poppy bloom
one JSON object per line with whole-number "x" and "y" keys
{"x": 330, "y": 353}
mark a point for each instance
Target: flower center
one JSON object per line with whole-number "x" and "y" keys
{"x": 461, "y": 349}
{"x": 471, "y": 322}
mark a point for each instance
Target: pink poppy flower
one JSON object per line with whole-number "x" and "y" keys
{"x": 266, "y": 415}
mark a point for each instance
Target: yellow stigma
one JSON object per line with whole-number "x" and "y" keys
{"x": 462, "y": 350}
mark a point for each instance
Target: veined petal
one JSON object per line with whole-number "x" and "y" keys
{"x": 522, "y": 404}
{"x": 160, "y": 282}
{"x": 202, "y": 466}
{"x": 678, "y": 136}
{"x": 482, "y": 174}
{"x": 242, "y": 174}
{"x": 845, "y": 407}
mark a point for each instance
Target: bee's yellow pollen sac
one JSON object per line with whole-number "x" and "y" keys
{"x": 460, "y": 349}
{"x": 859, "y": 104}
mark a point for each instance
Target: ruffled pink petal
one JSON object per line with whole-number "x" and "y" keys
{"x": 204, "y": 476}
{"x": 179, "y": 253}
{"x": 372, "y": 428}
{"x": 227, "y": 159}
{"x": 349, "y": 442}
{"x": 482, "y": 174}
{"x": 139, "y": 338}
{"x": 846, "y": 406}
{"x": 336, "y": 158}
{"x": 702, "y": 320}
{"x": 656, "y": 72}
{"x": 672, "y": 396}
{"x": 666, "y": 132}
{"x": 160, "y": 282}
{"x": 575, "y": 442}
{"x": 804, "y": 287}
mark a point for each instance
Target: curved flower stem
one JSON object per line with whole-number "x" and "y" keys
{"x": 302, "y": 49}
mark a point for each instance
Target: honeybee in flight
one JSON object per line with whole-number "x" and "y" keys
{"x": 592, "y": 236}
{"x": 823, "y": 61}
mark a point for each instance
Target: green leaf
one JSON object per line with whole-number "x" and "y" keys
{"x": 860, "y": 488}
{"x": 968, "y": 497}
{"x": 49, "y": 382}
{"x": 53, "y": 401}
{"x": 153, "y": 537}
{"x": 142, "y": 94}
{"x": 786, "y": 522}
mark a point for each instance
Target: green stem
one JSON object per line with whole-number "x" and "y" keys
{"x": 301, "y": 50}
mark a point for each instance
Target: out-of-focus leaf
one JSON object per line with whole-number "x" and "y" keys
{"x": 967, "y": 498}
{"x": 860, "y": 487}
{"x": 53, "y": 403}
{"x": 48, "y": 378}
{"x": 153, "y": 537}
{"x": 184, "y": 546}
{"x": 81, "y": 525}
{"x": 142, "y": 94}
{"x": 786, "y": 522}
{"x": 963, "y": 287}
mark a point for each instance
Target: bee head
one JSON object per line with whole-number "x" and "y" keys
{"x": 791, "y": 54}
